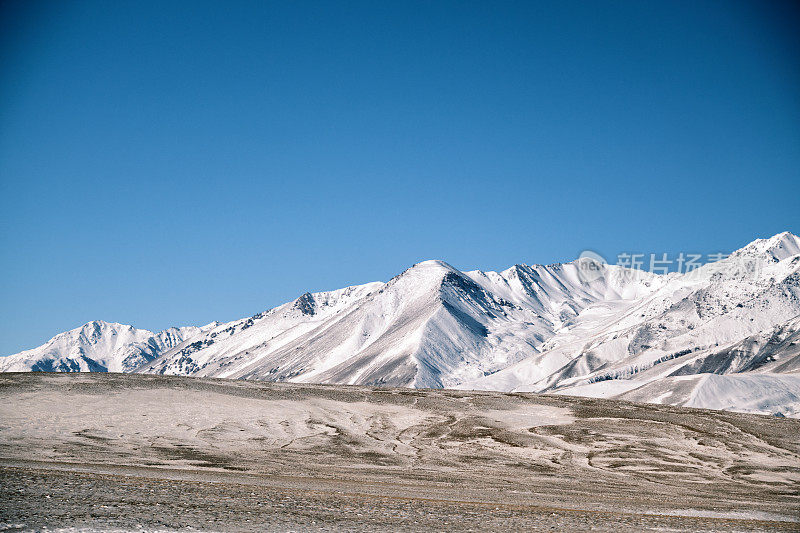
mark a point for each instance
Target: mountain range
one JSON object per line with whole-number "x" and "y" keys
{"x": 722, "y": 336}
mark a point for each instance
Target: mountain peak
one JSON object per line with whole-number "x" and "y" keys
{"x": 423, "y": 273}
{"x": 433, "y": 264}
{"x": 306, "y": 304}
{"x": 775, "y": 248}
{"x": 89, "y": 328}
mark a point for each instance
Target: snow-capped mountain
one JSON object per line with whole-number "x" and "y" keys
{"x": 431, "y": 326}
{"x": 735, "y": 316}
{"x": 722, "y": 335}
{"x": 97, "y": 347}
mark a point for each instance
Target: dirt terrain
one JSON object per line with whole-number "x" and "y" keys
{"x": 141, "y": 452}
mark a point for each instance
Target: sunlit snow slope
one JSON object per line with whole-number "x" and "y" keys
{"x": 720, "y": 319}
{"x": 723, "y": 336}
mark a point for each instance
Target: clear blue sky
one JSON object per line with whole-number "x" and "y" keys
{"x": 169, "y": 163}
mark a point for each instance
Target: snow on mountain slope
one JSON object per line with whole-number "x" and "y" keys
{"x": 231, "y": 348}
{"x": 540, "y": 328}
{"x": 97, "y": 347}
{"x": 747, "y": 303}
{"x": 769, "y": 360}
{"x": 768, "y": 394}
{"x": 431, "y": 326}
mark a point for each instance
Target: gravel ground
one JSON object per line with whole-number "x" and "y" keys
{"x": 130, "y": 452}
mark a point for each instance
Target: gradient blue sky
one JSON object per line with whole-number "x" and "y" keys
{"x": 173, "y": 163}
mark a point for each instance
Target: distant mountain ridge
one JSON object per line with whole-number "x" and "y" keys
{"x": 542, "y": 328}
{"x": 98, "y": 347}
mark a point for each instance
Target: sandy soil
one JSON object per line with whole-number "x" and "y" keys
{"x": 139, "y": 452}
